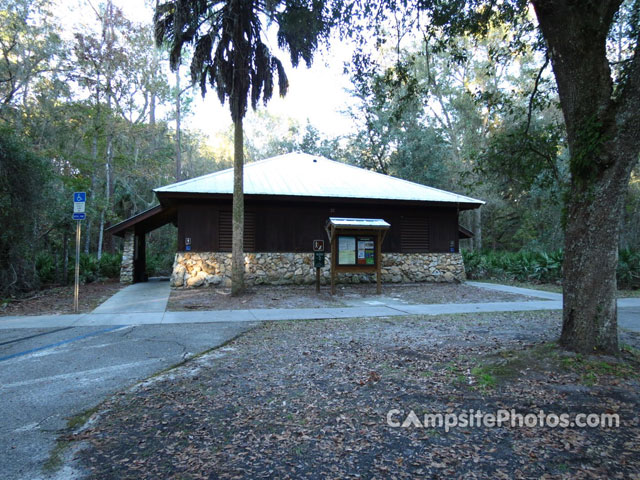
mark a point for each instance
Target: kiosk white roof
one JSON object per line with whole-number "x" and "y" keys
{"x": 359, "y": 222}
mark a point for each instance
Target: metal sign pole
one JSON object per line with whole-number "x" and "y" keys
{"x": 318, "y": 260}
{"x": 76, "y": 291}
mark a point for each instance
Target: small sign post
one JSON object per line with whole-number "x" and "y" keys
{"x": 318, "y": 260}
{"x": 79, "y": 202}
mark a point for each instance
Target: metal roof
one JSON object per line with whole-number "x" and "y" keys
{"x": 359, "y": 222}
{"x": 300, "y": 174}
{"x": 145, "y": 221}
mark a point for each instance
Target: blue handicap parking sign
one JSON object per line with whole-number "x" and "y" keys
{"x": 79, "y": 196}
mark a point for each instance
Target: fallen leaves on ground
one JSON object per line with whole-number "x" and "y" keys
{"x": 59, "y": 300}
{"x": 310, "y": 400}
{"x": 305, "y": 296}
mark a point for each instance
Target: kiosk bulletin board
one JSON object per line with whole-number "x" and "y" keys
{"x": 356, "y": 250}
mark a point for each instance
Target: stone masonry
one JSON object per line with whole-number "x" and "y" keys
{"x": 126, "y": 267}
{"x": 214, "y": 268}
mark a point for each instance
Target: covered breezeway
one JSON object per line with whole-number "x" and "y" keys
{"x": 133, "y": 231}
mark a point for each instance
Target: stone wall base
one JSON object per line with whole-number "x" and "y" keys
{"x": 214, "y": 268}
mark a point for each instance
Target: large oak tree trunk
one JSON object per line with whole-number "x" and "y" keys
{"x": 603, "y": 146}
{"x": 237, "y": 239}
{"x": 591, "y": 258}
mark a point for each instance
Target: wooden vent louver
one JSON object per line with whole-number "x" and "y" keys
{"x": 414, "y": 235}
{"x": 225, "y": 231}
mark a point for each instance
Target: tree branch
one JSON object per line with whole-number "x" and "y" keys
{"x": 535, "y": 90}
{"x": 627, "y": 105}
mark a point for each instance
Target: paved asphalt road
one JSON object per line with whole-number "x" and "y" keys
{"x": 629, "y": 318}
{"x": 50, "y": 374}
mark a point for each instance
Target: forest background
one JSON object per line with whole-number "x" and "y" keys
{"x": 97, "y": 110}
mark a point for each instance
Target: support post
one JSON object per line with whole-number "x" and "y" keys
{"x": 317, "y": 280}
{"x": 379, "y": 263}
{"x": 127, "y": 268}
{"x": 334, "y": 252}
{"x": 76, "y": 290}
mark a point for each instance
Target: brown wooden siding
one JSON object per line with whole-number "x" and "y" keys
{"x": 292, "y": 227}
{"x": 414, "y": 234}
{"x": 225, "y": 231}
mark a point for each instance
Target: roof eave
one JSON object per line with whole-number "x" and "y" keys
{"x": 162, "y": 213}
{"x": 168, "y": 198}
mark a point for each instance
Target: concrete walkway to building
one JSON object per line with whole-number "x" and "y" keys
{"x": 145, "y": 304}
{"x": 147, "y": 297}
{"x": 530, "y": 292}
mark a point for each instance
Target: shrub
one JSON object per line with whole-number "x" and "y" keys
{"x": 45, "y": 267}
{"x": 160, "y": 264}
{"x": 109, "y": 265}
{"x": 541, "y": 267}
{"x": 89, "y": 268}
{"x": 628, "y": 272}
{"x": 521, "y": 266}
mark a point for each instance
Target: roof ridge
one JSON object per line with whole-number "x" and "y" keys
{"x": 220, "y": 172}
{"x": 400, "y": 179}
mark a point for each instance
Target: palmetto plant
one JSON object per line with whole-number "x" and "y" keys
{"x": 231, "y": 56}
{"x": 523, "y": 266}
{"x": 628, "y": 269}
{"x": 541, "y": 267}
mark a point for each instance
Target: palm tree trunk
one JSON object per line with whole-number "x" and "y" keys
{"x": 237, "y": 254}
{"x": 178, "y": 127}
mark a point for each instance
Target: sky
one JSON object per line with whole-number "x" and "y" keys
{"x": 317, "y": 94}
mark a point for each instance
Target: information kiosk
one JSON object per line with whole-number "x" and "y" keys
{"x": 356, "y": 246}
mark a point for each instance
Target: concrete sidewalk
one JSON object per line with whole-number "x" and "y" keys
{"x": 145, "y": 304}
{"x": 530, "y": 292}
{"x": 145, "y": 297}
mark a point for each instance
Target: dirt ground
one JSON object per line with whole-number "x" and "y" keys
{"x": 59, "y": 300}
{"x": 305, "y": 296}
{"x": 313, "y": 400}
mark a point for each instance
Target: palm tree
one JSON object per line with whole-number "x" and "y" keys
{"x": 230, "y": 56}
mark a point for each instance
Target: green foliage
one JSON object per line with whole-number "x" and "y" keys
{"x": 592, "y": 370}
{"x": 29, "y": 45}
{"x": 24, "y": 178}
{"x": 394, "y": 136}
{"x": 89, "y": 268}
{"x": 521, "y": 266}
{"x": 628, "y": 272}
{"x": 46, "y": 268}
{"x": 541, "y": 267}
{"x": 485, "y": 378}
{"x": 109, "y": 265}
{"x": 229, "y": 54}
{"x": 160, "y": 264}
{"x": 520, "y": 159}
{"x": 92, "y": 269}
